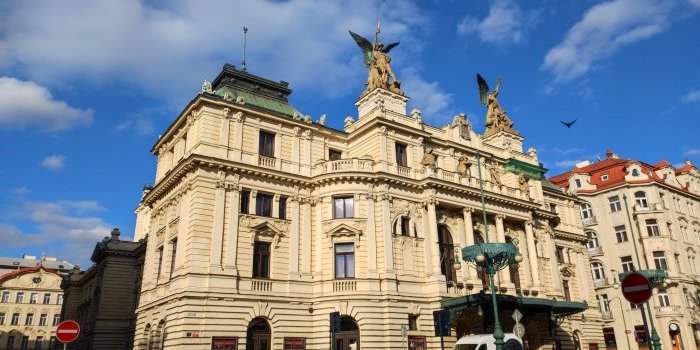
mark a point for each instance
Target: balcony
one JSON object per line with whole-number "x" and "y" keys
{"x": 607, "y": 315}
{"x": 267, "y": 162}
{"x": 601, "y": 283}
{"x": 261, "y": 285}
{"x": 668, "y": 310}
{"x": 590, "y": 221}
{"x": 595, "y": 251}
{"x": 651, "y": 207}
{"x": 343, "y": 165}
{"x": 344, "y": 286}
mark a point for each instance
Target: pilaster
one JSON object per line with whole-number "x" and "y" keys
{"x": 532, "y": 257}
{"x": 469, "y": 272}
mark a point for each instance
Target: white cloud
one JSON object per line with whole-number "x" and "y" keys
{"x": 139, "y": 125}
{"x": 63, "y": 228}
{"x": 693, "y": 152}
{"x": 21, "y": 191}
{"x": 426, "y": 95}
{"x": 603, "y": 30}
{"x": 692, "y": 96}
{"x": 167, "y": 50}
{"x": 25, "y": 104}
{"x": 505, "y": 23}
{"x": 568, "y": 163}
{"x": 695, "y": 3}
{"x": 54, "y": 162}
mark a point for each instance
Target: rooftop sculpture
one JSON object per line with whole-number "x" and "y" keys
{"x": 376, "y": 57}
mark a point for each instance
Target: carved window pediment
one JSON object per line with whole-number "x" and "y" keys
{"x": 567, "y": 271}
{"x": 344, "y": 230}
{"x": 271, "y": 231}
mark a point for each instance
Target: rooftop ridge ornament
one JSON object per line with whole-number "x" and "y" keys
{"x": 496, "y": 117}
{"x": 378, "y": 62}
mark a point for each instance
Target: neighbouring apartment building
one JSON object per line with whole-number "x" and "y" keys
{"x": 657, "y": 208}
{"x": 263, "y": 225}
{"x": 103, "y": 298}
{"x": 30, "y": 301}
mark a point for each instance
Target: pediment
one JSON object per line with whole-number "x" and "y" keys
{"x": 343, "y": 229}
{"x": 567, "y": 271}
{"x": 268, "y": 227}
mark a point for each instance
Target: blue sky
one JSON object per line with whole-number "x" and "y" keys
{"x": 86, "y": 87}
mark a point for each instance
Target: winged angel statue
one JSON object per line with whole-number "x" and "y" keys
{"x": 376, "y": 56}
{"x": 496, "y": 117}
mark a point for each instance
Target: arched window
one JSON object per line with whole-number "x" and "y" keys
{"x": 348, "y": 336}
{"x": 446, "y": 253}
{"x": 598, "y": 271}
{"x": 258, "y": 335}
{"x": 586, "y": 211}
{"x": 635, "y": 172}
{"x": 592, "y": 240}
{"x": 641, "y": 198}
{"x": 402, "y": 226}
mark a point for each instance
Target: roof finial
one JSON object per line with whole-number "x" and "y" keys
{"x": 245, "y": 36}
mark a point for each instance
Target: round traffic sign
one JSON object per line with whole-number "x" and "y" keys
{"x": 67, "y": 331}
{"x": 636, "y": 288}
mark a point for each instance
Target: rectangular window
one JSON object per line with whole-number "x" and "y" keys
{"x": 19, "y": 298}
{"x": 56, "y": 320}
{"x": 266, "y": 147}
{"x": 160, "y": 260}
{"x": 560, "y": 254}
{"x": 42, "y": 319}
{"x": 660, "y": 260}
{"x": 59, "y": 299}
{"x": 173, "y": 255}
{"x": 627, "y": 264}
{"x": 567, "y": 291}
{"x": 29, "y": 320}
{"x": 615, "y": 205}
{"x": 261, "y": 260}
{"x": 345, "y": 260}
{"x": 11, "y": 342}
{"x": 640, "y": 334}
{"x": 33, "y": 297}
{"x": 5, "y": 297}
{"x": 621, "y": 233}
{"x": 652, "y": 227}
{"x": 282, "y": 208}
{"x": 343, "y": 207}
{"x": 334, "y": 154}
{"x": 15, "y": 319}
{"x": 25, "y": 343}
{"x": 47, "y": 298}
{"x": 417, "y": 343}
{"x": 39, "y": 343}
{"x": 263, "y": 205}
{"x": 609, "y": 337}
{"x": 578, "y": 183}
{"x": 664, "y": 300}
{"x": 2, "y": 318}
{"x": 245, "y": 202}
{"x": 401, "y": 154}
{"x": 412, "y": 322}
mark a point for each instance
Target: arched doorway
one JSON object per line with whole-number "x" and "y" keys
{"x": 447, "y": 258}
{"x": 348, "y": 337}
{"x": 483, "y": 275}
{"x": 258, "y": 337}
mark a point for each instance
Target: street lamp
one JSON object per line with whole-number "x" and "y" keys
{"x": 493, "y": 257}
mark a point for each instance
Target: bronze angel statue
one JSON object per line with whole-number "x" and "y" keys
{"x": 496, "y": 117}
{"x": 378, "y": 61}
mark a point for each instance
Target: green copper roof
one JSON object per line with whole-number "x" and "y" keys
{"x": 519, "y": 167}
{"x": 259, "y": 101}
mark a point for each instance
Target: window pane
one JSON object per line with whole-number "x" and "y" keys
{"x": 349, "y": 207}
{"x": 350, "y": 265}
{"x": 344, "y": 248}
{"x": 339, "y": 266}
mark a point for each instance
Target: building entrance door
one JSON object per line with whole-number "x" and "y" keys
{"x": 348, "y": 338}
{"x": 258, "y": 335}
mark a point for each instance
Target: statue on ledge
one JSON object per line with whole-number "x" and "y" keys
{"x": 376, "y": 56}
{"x": 496, "y": 117}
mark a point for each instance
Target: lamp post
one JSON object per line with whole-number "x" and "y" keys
{"x": 493, "y": 257}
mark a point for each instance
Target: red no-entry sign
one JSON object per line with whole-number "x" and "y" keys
{"x": 636, "y": 288}
{"x": 67, "y": 331}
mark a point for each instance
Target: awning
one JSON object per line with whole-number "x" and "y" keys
{"x": 526, "y": 305}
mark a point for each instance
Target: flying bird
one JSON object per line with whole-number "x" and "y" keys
{"x": 568, "y": 124}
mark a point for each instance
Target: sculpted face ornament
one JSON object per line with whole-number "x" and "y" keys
{"x": 36, "y": 280}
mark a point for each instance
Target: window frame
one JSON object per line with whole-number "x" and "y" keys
{"x": 652, "y": 226}
{"x": 401, "y": 154}
{"x": 282, "y": 208}
{"x": 14, "y": 321}
{"x": 345, "y": 200}
{"x": 597, "y": 266}
{"x": 244, "y": 202}
{"x": 627, "y": 263}
{"x": 266, "y": 139}
{"x": 334, "y": 154}
{"x": 660, "y": 261}
{"x": 621, "y": 232}
{"x": 262, "y": 254}
{"x": 263, "y": 204}
{"x": 348, "y": 260}
{"x": 614, "y": 204}
{"x": 640, "y": 198}
{"x": 47, "y": 299}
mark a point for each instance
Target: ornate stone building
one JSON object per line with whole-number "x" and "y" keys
{"x": 264, "y": 225}
{"x": 30, "y": 307}
{"x": 663, "y": 222}
{"x": 103, "y": 298}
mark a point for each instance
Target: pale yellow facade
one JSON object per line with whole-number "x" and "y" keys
{"x": 664, "y": 224}
{"x": 30, "y": 308}
{"x": 198, "y": 279}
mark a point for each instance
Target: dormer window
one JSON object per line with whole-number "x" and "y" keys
{"x": 578, "y": 183}
{"x": 635, "y": 172}
{"x": 604, "y": 177}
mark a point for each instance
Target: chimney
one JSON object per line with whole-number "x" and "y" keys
{"x": 115, "y": 234}
{"x": 610, "y": 154}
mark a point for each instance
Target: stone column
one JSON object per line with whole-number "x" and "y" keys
{"x": 307, "y": 237}
{"x": 503, "y": 275}
{"x": 306, "y": 142}
{"x": 295, "y": 218}
{"x": 387, "y": 235}
{"x": 217, "y": 235}
{"x": 469, "y": 272}
{"x": 230, "y": 260}
{"x": 371, "y": 237}
{"x": 383, "y": 148}
{"x": 296, "y": 154}
{"x": 433, "y": 268}
{"x": 532, "y": 256}
{"x": 319, "y": 236}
